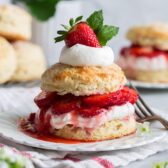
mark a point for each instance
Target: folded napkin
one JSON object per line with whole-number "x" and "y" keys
{"x": 22, "y": 98}
{"x": 55, "y": 159}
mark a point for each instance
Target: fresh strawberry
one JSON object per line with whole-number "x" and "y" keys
{"x": 116, "y": 98}
{"x": 65, "y": 105}
{"x": 45, "y": 99}
{"x": 89, "y": 112}
{"x": 91, "y": 32}
{"x": 81, "y": 33}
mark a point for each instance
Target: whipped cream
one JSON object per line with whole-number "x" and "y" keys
{"x": 81, "y": 55}
{"x": 112, "y": 113}
{"x": 143, "y": 63}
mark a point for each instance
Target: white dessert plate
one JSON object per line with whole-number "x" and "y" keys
{"x": 10, "y": 131}
{"x": 147, "y": 85}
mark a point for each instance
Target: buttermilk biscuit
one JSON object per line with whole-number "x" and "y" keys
{"x": 30, "y": 61}
{"x": 85, "y": 80}
{"x": 155, "y": 35}
{"x": 7, "y": 60}
{"x": 110, "y": 130}
{"x": 15, "y": 23}
{"x": 159, "y": 76}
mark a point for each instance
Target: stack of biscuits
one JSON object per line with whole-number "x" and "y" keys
{"x": 20, "y": 60}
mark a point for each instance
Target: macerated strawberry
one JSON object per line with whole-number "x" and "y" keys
{"x": 43, "y": 124}
{"x": 31, "y": 117}
{"x": 116, "y": 98}
{"x": 64, "y": 106}
{"x": 81, "y": 33}
{"x": 45, "y": 99}
{"x": 99, "y": 100}
{"x": 133, "y": 95}
{"x": 89, "y": 112}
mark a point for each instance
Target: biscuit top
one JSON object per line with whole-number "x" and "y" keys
{"x": 155, "y": 35}
{"x": 7, "y": 10}
{"x": 84, "y": 80}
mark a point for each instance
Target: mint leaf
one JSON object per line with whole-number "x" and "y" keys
{"x": 106, "y": 33}
{"x": 40, "y": 9}
{"x": 95, "y": 20}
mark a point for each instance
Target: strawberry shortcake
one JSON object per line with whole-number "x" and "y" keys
{"x": 147, "y": 57}
{"x": 83, "y": 96}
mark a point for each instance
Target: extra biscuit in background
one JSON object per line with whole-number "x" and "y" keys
{"x": 30, "y": 62}
{"x": 7, "y": 60}
{"x": 15, "y": 23}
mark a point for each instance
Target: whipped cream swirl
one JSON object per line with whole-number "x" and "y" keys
{"x": 81, "y": 55}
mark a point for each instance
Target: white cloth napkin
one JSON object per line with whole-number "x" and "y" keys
{"x": 22, "y": 98}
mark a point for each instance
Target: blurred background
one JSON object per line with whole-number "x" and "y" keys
{"x": 122, "y": 13}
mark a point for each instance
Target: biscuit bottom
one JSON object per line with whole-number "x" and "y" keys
{"x": 110, "y": 130}
{"x": 160, "y": 76}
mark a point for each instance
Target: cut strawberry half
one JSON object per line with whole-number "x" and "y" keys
{"x": 116, "y": 98}
{"x": 89, "y": 112}
{"x": 65, "y": 105}
{"x": 45, "y": 99}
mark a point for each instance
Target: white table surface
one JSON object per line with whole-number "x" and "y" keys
{"x": 157, "y": 99}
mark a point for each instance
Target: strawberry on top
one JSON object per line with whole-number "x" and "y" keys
{"x": 91, "y": 32}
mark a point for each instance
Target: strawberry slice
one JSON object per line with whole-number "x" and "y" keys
{"x": 116, "y": 98}
{"x": 43, "y": 124}
{"x": 45, "y": 99}
{"x": 65, "y": 105}
{"x": 99, "y": 100}
{"x": 133, "y": 96}
{"x": 82, "y": 33}
{"x": 89, "y": 112}
{"x": 31, "y": 117}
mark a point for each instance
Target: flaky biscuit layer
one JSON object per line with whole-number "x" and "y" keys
{"x": 85, "y": 80}
{"x": 110, "y": 130}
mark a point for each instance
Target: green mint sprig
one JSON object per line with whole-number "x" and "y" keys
{"x": 104, "y": 33}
